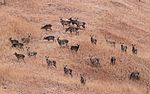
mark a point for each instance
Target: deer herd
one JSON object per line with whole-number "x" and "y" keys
{"x": 72, "y": 25}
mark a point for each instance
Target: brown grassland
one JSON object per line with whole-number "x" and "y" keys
{"x": 125, "y": 21}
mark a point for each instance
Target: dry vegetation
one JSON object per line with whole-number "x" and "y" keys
{"x": 121, "y": 20}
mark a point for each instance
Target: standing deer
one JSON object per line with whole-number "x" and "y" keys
{"x": 27, "y": 39}
{"x": 93, "y": 39}
{"x": 47, "y": 27}
{"x": 20, "y": 56}
{"x": 94, "y": 61}
{"x": 123, "y": 47}
{"x": 135, "y": 75}
{"x": 82, "y": 79}
{"x": 18, "y": 45}
{"x": 73, "y": 29}
{"x": 113, "y": 43}
{"x": 50, "y": 62}
{"x": 134, "y": 50}
{"x": 31, "y": 53}
{"x": 13, "y": 41}
{"x": 113, "y": 60}
{"x": 48, "y": 38}
{"x": 68, "y": 71}
{"x": 64, "y": 22}
{"x": 75, "y": 48}
{"x": 79, "y": 24}
{"x": 62, "y": 42}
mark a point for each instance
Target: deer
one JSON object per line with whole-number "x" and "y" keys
{"x": 31, "y": 53}
{"x": 27, "y": 39}
{"x": 113, "y": 60}
{"x": 75, "y": 47}
{"x": 50, "y": 62}
{"x": 20, "y": 56}
{"x": 94, "y": 61}
{"x": 64, "y": 22}
{"x": 13, "y": 41}
{"x": 79, "y": 24}
{"x": 135, "y": 75}
{"x": 72, "y": 29}
{"x": 93, "y": 39}
{"x": 82, "y": 79}
{"x": 62, "y": 42}
{"x": 67, "y": 71}
{"x": 49, "y": 38}
{"x": 18, "y": 45}
{"x": 113, "y": 43}
{"x": 123, "y": 47}
{"x": 47, "y": 27}
{"x": 134, "y": 50}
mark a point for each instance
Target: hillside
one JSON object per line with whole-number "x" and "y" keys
{"x": 122, "y": 21}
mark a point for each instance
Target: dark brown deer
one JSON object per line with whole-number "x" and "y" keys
{"x": 93, "y": 39}
{"x": 134, "y": 49}
{"x": 68, "y": 71}
{"x": 62, "y": 42}
{"x": 13, "y": 41}
{"x": 18, "y": 45}
{"x": 75, "y": 48}
{"x": 82, "y": 79}
{"x": 64, "y": 22}
{"x": 20, "y": 56}
{"x": 134, "y": 75}
{"x": 94, "y": 61}
{"x": 47, "y": 27}
{"x": 79, "y": 24}
{"x": 50, "y": 62}
{"x": 123, "y": 47}
{"x": 72, "y": 29}
{"x": 49, "y": 38}
{"x": 113, "y": 60}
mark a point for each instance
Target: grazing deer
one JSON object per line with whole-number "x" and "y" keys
{"x": 134, "y": 75}
{"x": 20, "y": 56}
{"x": 75, "y": 48}
{"x": 64, "y": 22}
{"x": 93, "y": 39}
{"x": 113, "y": 60}
{"x": 18, "y": 45}
{"x": 123, "y": 47}
{"x": 79, "y": 24}
{"x": 134, "y": 50}
{"x": 113, "y": 43}
{"x": 62, "y": 42}
{"x": 31, "y": 53}
{"x": 50, "y": 62}
{"x": 47, "y": 27}
{"x": 48, "y": 38}
{"x": 82, "y": 79}
{"x": 27, "y": 39}
{"x": 73, "y": 29}
{"x": 68, "y": 71}
{"x": 94, "y": 61}
{"x": 13, "y": 41}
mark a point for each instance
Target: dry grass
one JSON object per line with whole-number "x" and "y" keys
{"x": 121, "y": 20}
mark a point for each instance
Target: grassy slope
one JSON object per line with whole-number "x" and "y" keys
{"x": 122, "y": 20}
